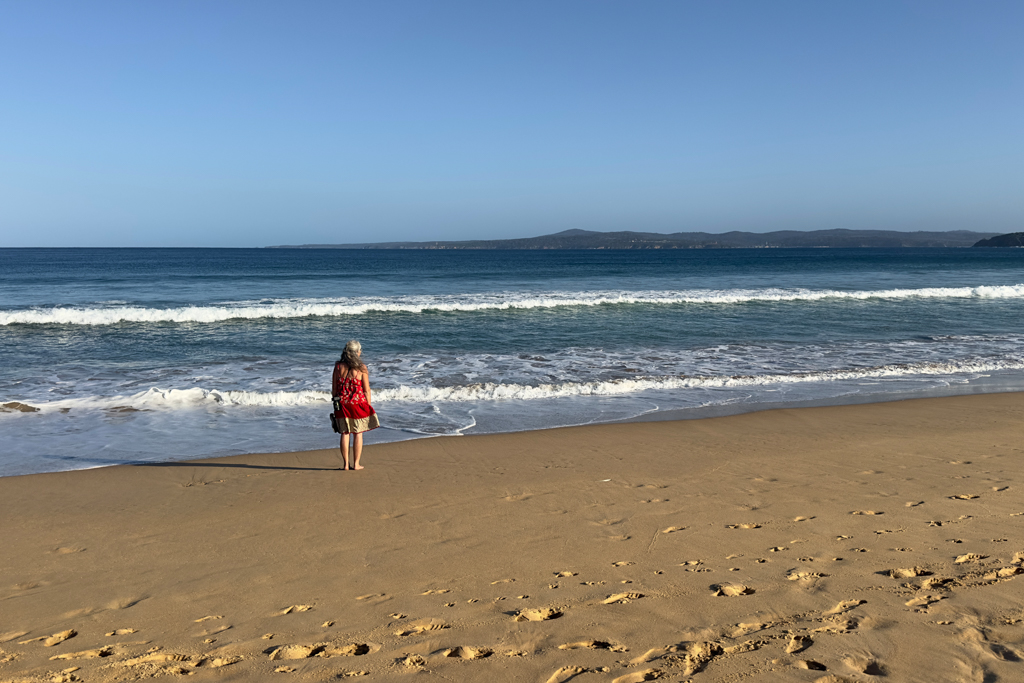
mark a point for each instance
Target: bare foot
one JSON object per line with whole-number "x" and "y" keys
{"x": 358, "y": 467}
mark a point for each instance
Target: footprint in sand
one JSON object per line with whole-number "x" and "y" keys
{"x": 907, "y": 573}
{"x": 802, "y": 519}
{"x": 746, "y": 629}
{"x": 437, "y": 591}
{"x": 85, "y": 654}
{"x": 673, "y": 529}
{"x": 621, "y": 598}
{"x": 122, "y": 632}
{"x": 777, "y": 549}
{"x": 1004, "y": 573}
{"x": 566, "y": 673}
{"x": 810, "y": 664}
{"x": 609, "y": 522}
{"x": 423, "y": 626}
{"x": 295, "y": 608}
{"x": 211, "y": 617}
{"x": 845, "y": 606}
{"x": 68, "y": 550}
{"x": 462, "y": 652}
{"x": 698, "y": 655}
{"x": 970, "y": 557}
{"x": 350, "y": 650}
{"x": 594, "y": 645}
{"x": 639, "y": 676}
{"x": 219, "y": 662}
{"x": 745, "y": 646}
{"x": 964, "y": 496}
{"x": 866, "y": 512}
{"x": 495, "y": 583}
{"x": 327, "y": 624}
{"x": 1000, "y": 488}
{"x": 213, "y": 631}
{"x": 155, "y": 658}
{"x": 805, "y": 576}
{"x": 565, "y": 574}
{"x": 750, "y": 525}
{"x": 295, "y": 652}
{"x": 413, "y": 661}
{"x": 866, "y": 665}
{"x": 55, "y": 639}
{"x": 731, "y": 590}
{"x": 798, "y": 644}
{"x": 913, "y": 504}
{"x": 371, "y": 598}
{"x": 538, "y": 614}
{"x": 622, "y": 564}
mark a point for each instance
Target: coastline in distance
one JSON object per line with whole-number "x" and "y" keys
{"x": 588, "y": 239}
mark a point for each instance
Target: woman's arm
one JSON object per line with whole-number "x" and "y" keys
{"x": 366, "y": 384}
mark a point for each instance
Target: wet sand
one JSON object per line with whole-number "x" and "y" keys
{"x": 837, "y": 543}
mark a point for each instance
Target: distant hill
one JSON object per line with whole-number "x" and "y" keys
{"x": 1013, "y": 239}
{"x": 586, "y": 239}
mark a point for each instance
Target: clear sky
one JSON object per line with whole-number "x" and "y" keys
{"x": 215, "y": 123}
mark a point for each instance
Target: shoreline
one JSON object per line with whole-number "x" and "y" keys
{"x": 864, "y": 538}
{"x": 986, "y": 385}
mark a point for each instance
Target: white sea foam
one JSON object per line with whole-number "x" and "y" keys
{"x": 113, "y": 314}
{"x": 172, "y": 399}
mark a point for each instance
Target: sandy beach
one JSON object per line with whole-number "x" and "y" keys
{"x": 843, "y": 543}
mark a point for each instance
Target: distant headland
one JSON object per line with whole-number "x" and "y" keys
{"x": 587, "y": 239}
{"x": 1013, "y": 239}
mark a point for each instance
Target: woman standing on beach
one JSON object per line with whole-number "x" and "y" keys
{"x": 350, "y": 387}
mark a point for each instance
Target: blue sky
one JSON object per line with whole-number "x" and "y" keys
{"x": 211, "y": 123}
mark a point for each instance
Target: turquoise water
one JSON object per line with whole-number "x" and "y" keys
{"x": 147, "y": 354}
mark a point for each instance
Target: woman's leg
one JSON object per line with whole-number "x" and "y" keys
{"x": 344, "y": 451}
{"x": 358, "y": 448}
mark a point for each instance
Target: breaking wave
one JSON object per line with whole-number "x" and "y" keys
{"x": 111, "y": 315}
{"x": 170, "y": 399}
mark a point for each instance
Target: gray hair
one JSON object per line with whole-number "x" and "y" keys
{"x": 350, "y": 356}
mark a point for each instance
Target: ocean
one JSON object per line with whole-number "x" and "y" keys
{"x": 126, "y": 355}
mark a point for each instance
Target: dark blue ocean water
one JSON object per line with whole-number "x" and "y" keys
{"x": 144, "y": 354}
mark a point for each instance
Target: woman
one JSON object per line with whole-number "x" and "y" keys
{"x": 352, "y": 410}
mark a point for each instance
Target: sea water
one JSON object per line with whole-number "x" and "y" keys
{"x": 127, "y": 355}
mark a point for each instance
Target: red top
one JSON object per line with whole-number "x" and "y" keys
{"x": 348, "y": 389}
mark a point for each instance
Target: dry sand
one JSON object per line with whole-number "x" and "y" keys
{"x": 817, "y": 544}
